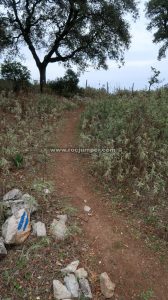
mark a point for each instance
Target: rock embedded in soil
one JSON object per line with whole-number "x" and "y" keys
{"x": 14, "y": 194}
{"x": 81, "y": 273}
{"x": 85, "y": 289}
{"x": 71, "y": 268}
{"x": 87, "y": 208}
{"x": 39, "y": 229}
{"x": 58, "y": 228}
{"x": 107, "y": 286}
{"x": 3, "y": 251}
{"x": 72, "y": 285}
{"x": 60, "y": 290}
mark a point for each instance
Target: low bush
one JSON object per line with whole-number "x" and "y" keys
{"x": 66, "y": 86}
{"x": 136, "y": 128}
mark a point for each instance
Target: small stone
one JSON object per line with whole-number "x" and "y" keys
{"x": 71, "y": 268}
{"x": 39, "y": 229}
{"x": 59, "y": 228}
{"x": 87, "y": 208}
{"x": 3, "y": 251}
{"x": 14, "y": 194}
{"x": 60, "y": 290}
{"x": 107, "y": 286}
{"x": 85, "y": 288}
{"x": 81, "y": 273}
{"x": 46, "y": 191}
{"x": 72, "y": 285}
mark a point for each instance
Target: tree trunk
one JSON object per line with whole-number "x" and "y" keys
{"x": 42, "y": 71}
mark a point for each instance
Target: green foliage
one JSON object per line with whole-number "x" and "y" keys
{"x": 15, "y": 72}
{"x": 50, "y": 105}
{"x": 154, "y": 78}
{"x": 40, "y": 185}
{"x": 25, "y": 130}
{"x": 147, "y": 295}
{"x": 157, "y": 12}
{"x": 5, "y": 40}
{"x": 18, "y": 160}
{"x": 82, "y": 32}
{"x": 136, "y": 129}
{"x": 67, "y": 85}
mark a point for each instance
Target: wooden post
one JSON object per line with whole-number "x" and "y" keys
{"x": 86, "y": 84}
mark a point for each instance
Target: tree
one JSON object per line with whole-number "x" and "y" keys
{"x": 15, "y": 72}
{"x": 5, "y": 37}
{"x": 157, "y": 11}
{"x": 154, "y": 79}
{"x": 78, "y": 31}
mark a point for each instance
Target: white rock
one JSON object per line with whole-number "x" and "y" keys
{"x": 39, "y": 229}
{"x": 46, "y": 191}
{"x": 60, "y": 291}
{"x": 87, "y": 208}
{"x": 62, "y": 218}
{"x": 16, "y": 228}
{"x": 72, "y": 285}
{"x": 81, "y": 273}
{"x": 85, "y": 288}
{"x": 59, "y": 228}
{"x": 107, "y": 286}
{"x": 71, "y": 268}
{"x": 3, "y": 251}
{"x": 26, "y": 202}
{"x": 14, "y": 194}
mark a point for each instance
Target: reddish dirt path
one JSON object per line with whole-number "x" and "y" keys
{"x": 131, "y": 265}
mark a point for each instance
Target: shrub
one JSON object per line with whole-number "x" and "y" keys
{"x": 67, "y": 85}
{"x": 15, "y": 72}
{"x": 137, "y": 130}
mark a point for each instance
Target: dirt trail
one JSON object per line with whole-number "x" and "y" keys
{"x": 131, "y": 265}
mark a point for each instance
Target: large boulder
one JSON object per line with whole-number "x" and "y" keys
{"x": 16, "y": 228}
{"x": 60, "y": 291}
{"x": 107, "y": 286}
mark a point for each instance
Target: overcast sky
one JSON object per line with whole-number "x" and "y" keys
{"x": 138, "y": 61}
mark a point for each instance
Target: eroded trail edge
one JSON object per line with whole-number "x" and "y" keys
{"x": 116, "y": 249}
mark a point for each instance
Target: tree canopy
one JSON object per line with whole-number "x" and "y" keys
{"x": 5, "y": 37}
{"x": 15, "y": 71}
{"x": 78, "y": 31}
{"x": 157, "y": 12}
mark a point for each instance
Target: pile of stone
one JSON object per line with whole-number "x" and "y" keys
{"x": 76, "y": 284}
{"x": 17, "y": 227}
